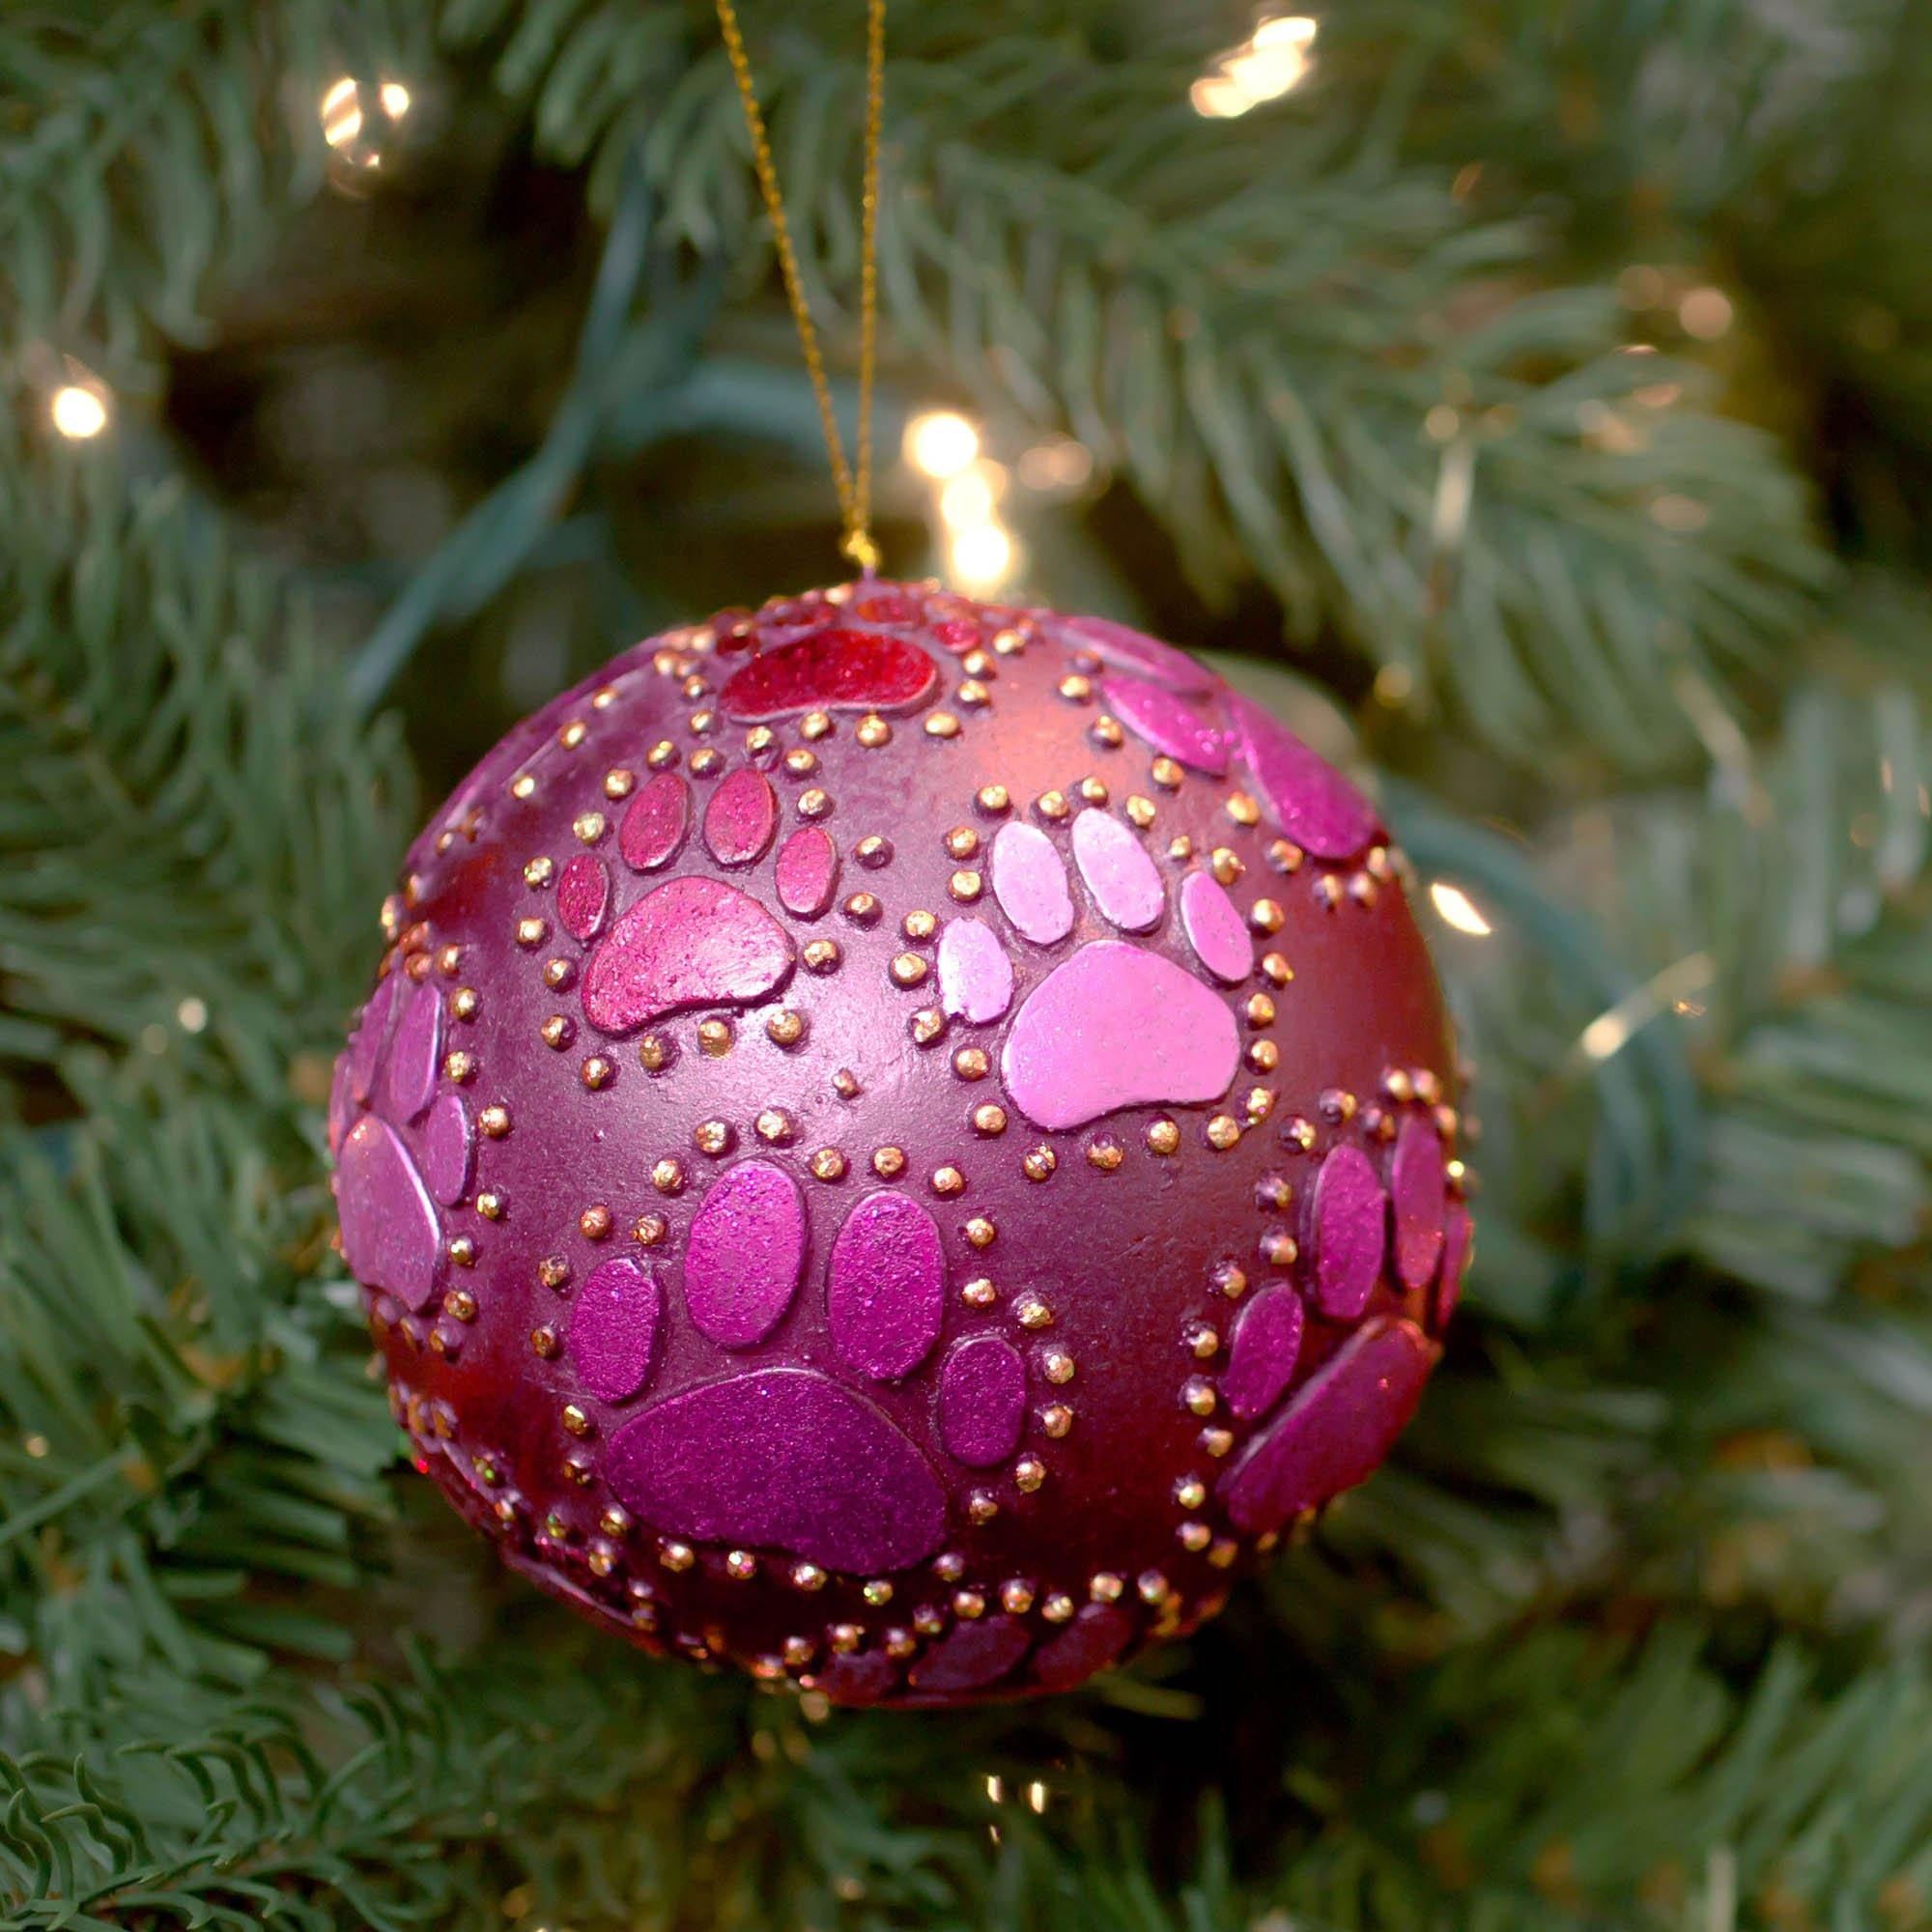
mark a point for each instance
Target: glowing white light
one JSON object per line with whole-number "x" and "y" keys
{"x": 940, "y": 443}
{"x": 1290, "y": 30}
{"x": 193, "y": 1013}
{"x": 969, "y": 497}
{"x": 78, "y": 412}
{"x": 342, "y": 110}
{"x": 341, "y": 113}
{"x": 1037, "y": 1797}
{"x": 1458, "y": 909}
{"x": 1216, "y": 97}
{"x": 1265, "y": 74}
{"x": 983, "y": 556}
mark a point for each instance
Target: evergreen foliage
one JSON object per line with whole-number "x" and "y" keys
{"x": 1387, "y": 392}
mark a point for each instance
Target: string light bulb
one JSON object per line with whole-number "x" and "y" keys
{"x": 1457, "y": 908}
{"x": 79, "y": 411}
{"x": 940, "y": 443}
{"x": 1265, "y": 67}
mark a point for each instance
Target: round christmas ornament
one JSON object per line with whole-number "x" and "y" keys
{"x": 898, "y": 1142}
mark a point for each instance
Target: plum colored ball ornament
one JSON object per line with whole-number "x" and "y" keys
{"x": 898, "y": 1142}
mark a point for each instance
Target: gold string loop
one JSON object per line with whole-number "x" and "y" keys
{"x": 853, "y": 480}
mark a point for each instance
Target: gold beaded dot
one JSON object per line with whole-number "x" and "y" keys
{"x": 1167, "y": 774}
{"x": 589, "y": 826}
{"x": 992, "y": 798}
{"x": 827, "y": 1164}
{"x": 574, "y": 1420}
{"x": 1163, "y": 1136}
{"x": 920, "y": 924}
{"x": 801, "y": 763}
{"x": 545, "y": 1341}
{"x": 1258, "y": 1103}
{"x": 943, "y": 724}
{"x": 538, "y": 872}
{"x": 494, "y": 1121}
{"x": 466, "y": 1003}
{"x": 491, "y": 1205}
{"x": 888, "y": 1162}
{"x": 1265, "y": 916}
{"x": 989, "y": 1119}
{"x": 1055, "y": 1418}
{"x": 1106, "y": 1155}
{"x": 712, "y": 1137}
{"x": 655, "y": 1052}
{"x": 558, "y": 973}
{"x": 878, "y": 1591}
{"x": 1232, "y": 1282}
{"x": 460, "y": 1303}
{"x": 1038, "y": 1163}
{"x": 961, "y": 843}
{"x": 523, "y": 786}
{"x": 1016, "y": 1597}
{"x": 1261, "y": 1010}
{"x": 740, "y": 1565}
{"x": 1029, "y": 1473}
{"x": 786, "y": 1028}
{"x": 459, "y": 1066}
{"x": 1057, "y": 1607}
{"x": 981, "y": 1232}
{"x": 702, "y": 723}
{"x": 1190, "y": 1492}
{"x": 462, "y": 1251}
{"x": 1181, "y": 850}
{"x": 1198, "y": 1393}
{"x": 676, "y": 1556}
{"x": 703, "y": 763}
{"x": 597, "y": 1071}
{"x": 715, "y": 1038}
{"x": 814, "y": 802}
{"x": 1058, "y": 1367}
{"x": 845, "y": 1084}
{"x": 981, "y": 1507}
{"x": 1106, "y": 730}
{"x": 861, "y": 908}
{"x": 908, "y": 969}
{"x": 774, "y": 1125}
{"x": 808, "y": 1577}
{"x": 1223, "y": 1131}
{"x": 1052, "y": 805}
{"x": 1154, "y": 1588}
{"x": 1031, "y": 1312}
{"x": 619, "y": 782}
{"x": 1141, "y": 810}
{"x": 552, "y": 1270}
{"x": 448, "y": 959}
{"x": 759, "y": 738}
{"x": 1300, "y": 1133}
{"x": 970, "y": 1063}
{"x": 1328, "y": 890}
{"x": 533, "y": 931}
{"x": 1104, "y": 1587}
{"x": 664, "y": 752}
{"x": 649, "y": 1230}
{"x": 815, "y": 724}
{"x": 667, "y": 1177}
{"x": 1076, "y": 689}
{"x": 927, "y": 1026}
{"x": 1263, "y": 1055}
{"x": 872, "y": 731}
{"x": 1226, "y": 865}
{"x": 979, "y": 1292}
{"x": 1009, "y": 643}
{"x": 594, "y": 1223}
{"x": 821, "y": 956}
{"x": 1280, "y": 1250}
{"x": 615, "y": 1520}
{"x": 965, "y": 885}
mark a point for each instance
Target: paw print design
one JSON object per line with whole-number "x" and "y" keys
{"x": 833, "y": 1183}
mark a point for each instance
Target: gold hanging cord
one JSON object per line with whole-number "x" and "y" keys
{"x": 852, "y": 480}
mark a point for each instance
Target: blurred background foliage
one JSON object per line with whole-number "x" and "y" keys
{"x": 1534, "y": 403}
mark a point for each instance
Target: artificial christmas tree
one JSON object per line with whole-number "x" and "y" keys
{"x": 1526, "y": 406}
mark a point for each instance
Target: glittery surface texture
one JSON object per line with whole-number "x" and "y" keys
{"x": 897, "y": 1142}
